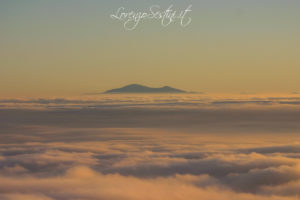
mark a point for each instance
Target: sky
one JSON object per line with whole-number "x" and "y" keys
{"x": 72, "y": 47}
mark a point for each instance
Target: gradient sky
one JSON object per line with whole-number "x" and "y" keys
{"x": 70, "y": 47}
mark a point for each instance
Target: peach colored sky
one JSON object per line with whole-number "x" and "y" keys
{"x": 68, "y": 47}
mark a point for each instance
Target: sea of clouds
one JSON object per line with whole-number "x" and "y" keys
{"x": 147, "y": 150}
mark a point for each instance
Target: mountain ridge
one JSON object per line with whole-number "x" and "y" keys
{"x": 137, "y": 88}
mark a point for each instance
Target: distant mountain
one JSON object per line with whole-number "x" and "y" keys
{"x": 136, "y": 88}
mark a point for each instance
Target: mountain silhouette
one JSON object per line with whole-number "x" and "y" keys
{"x": 136, "y": 88}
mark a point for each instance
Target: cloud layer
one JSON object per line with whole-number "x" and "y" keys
{"x": 134, "y": 163}
{"x": 157, "y": 153}
{"x": 153, "y": 101}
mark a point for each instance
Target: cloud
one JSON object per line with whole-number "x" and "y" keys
{"x": 220, "y": 120}
{"x": 159, "y": 101}
{"x": 276, "y": 149}
{"x": 24, "y": 197}
{"x": 51, "y": 163}
{"x": 95, "y": 151}
{"x": 84, "y": 183}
